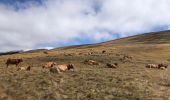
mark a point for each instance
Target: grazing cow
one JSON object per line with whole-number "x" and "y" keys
{"x": 49, "y": 65}
{"x": 13, "y": 62}
{"x": 62, "y": 68}
{"x": 27, "y": 68}
{"x": 112, "y": 65}
{"x": 91, "y": 62}
{"x": 151, "y": 66}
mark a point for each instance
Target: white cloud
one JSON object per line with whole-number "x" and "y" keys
{"x": 61, "y": 21}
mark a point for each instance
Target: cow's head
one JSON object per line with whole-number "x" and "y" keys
{"x": 70, "y": 66}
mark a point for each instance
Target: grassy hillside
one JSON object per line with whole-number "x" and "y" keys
{"x": 147, "y": 38}
{"x": 131, "y": 80}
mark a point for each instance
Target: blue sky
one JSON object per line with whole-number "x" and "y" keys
{"x": 31, "y": 24}
{"x": 12, "y": 2}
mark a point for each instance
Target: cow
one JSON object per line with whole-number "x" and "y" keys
{"x": 115, "y": 65}
{"x": 26, "y": 68}
{"x": 61, "y": 68}
{"x": 151, "y": 66}
{"x": 104, "y": 51}
{"x": 162, "y": 66}
{"x": 13, "y": 62}
{"x": 49, "y": 65}
{"x": 91, "y": 62}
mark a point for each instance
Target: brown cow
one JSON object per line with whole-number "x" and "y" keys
{"x": 62, "y": 68}
{"x": 49, "y": 65}
{"x": 13, "y": 62}
{"x": 26, "y": 68}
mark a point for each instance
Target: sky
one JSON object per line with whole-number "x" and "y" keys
{"x": 33, "y": 24}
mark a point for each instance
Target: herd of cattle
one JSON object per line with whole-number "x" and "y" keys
{"x": 48, "y": 65}
{"x": 54, "y": 67}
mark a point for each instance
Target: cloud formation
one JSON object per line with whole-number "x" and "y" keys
{"x": 67, "y": 22}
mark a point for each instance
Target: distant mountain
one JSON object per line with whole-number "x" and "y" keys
{"x": 11, "y": 52}
{"x": 36, "y": 50}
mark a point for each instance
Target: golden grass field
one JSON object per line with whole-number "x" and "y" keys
{"x": 130, "y": 81}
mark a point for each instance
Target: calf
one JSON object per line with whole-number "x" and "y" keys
{"x": 49, "y": 65}
{"x": 27, "y": 68}
{"x": 13, "y": 62}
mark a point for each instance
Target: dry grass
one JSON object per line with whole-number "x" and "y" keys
{"x": 130, "y": 81}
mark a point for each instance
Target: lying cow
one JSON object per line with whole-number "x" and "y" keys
{"x": 151, "y": 66}
{"x": 49, "y": 65}
{"x": 115, "y": 65}
{"x": 13, "y": 62}
{"x": 162, "y": 66}
{"x": 61, "y": 68}
{"x": 27, "y": 68}
{"x": 91, "y": 62}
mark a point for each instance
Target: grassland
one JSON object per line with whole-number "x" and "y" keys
{"x": 130, "y": 81}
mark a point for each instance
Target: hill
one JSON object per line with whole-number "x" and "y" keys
{"x": 131, "y": 80}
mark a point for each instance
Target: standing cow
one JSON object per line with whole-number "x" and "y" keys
{"x": 13, "y": 62}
